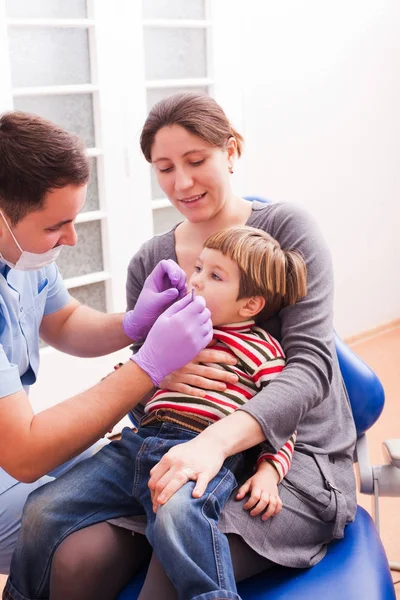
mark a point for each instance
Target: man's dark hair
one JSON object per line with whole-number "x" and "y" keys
{"x": 36, "y": 156}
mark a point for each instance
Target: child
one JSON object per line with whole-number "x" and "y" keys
{"x": 243, "y": 274}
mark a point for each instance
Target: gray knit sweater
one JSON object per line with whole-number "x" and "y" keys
{"x": 308, "y": 396}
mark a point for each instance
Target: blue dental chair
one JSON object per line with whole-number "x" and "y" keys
{"x": 354, "y": 567}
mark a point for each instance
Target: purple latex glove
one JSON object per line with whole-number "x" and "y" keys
{"x": 176, "y": 338}
{"x": 165, "y": 284}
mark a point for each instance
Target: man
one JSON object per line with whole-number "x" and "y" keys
{"x": 43, "y": 178}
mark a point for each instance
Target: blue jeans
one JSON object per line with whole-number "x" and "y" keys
{"x": 184, "y": 532}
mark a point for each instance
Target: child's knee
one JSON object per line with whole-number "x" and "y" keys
{"x": 176, "y": 510}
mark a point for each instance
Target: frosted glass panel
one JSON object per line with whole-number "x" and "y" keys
{"x": 173, "y": 9}
{"x": 51, "y": 9}
{"x": 93, "y": 295}
{"x": 86, "y": 256}
{"x": 165, "y": 218}
{"x": 92, "y": 196}
{"x": 73, "y": 112}
{"x": 153, "y": 96}
{"x": 175, "y": 53}
{"x": 48, "y": 56}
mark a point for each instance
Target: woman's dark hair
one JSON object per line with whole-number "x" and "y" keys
{"x": 35, "y": 157}
{"x": 197, "y": 113}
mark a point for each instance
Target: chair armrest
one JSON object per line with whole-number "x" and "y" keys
{"x": 364, "y": 466}
{"x": 393, "y": 449}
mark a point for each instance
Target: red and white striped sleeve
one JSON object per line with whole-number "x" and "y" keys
{"x": 282, "y": 459}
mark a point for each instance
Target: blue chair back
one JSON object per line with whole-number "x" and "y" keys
{"x": 364, "y": 389}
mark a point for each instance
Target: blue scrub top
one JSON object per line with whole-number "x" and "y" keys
{"x": 25, "y": 297}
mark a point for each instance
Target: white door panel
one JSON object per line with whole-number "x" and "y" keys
{"x": 96, "y": 68}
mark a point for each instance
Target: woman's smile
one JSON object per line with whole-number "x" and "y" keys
{"x": 192, "y": 199}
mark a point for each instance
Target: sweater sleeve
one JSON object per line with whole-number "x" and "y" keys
{"x": 306, "y": 331}
{"x": 137, "y": 274}
{"x": 144, "y": 261}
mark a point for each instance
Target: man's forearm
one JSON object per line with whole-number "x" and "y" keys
{"x": 88, "y": 332}
{"x": 57, "y": 434}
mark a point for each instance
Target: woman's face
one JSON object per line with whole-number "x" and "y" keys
{"x": 193, "y": 174}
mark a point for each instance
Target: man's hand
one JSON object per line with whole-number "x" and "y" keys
{"x": 175, "y": 338}
{"x": 165, "y": 285}
{"x": 195, "y": 379}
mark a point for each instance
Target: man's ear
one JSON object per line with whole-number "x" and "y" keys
{"x": 252, "y": 306}
{"x": 2, "y": 224}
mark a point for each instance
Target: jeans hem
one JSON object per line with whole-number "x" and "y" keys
{"x": 10, "y": 593}
{"x": 217, "y": 595}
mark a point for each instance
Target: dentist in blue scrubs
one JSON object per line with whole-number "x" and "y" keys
{"x": 43, "y": 178}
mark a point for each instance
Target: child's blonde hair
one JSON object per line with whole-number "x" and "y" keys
{"x": 279, "y": 276}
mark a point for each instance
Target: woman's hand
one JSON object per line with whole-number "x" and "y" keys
{"x": 195, "y": 379}
{"x": 263, "y": 490}
{"x": 196, "y": 460}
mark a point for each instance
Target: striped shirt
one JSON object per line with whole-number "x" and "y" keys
{"x": 260, "y": 359}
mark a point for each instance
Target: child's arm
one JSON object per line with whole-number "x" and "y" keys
{"x": 282, "y": 460}
{"x": 263, "y": 485}
{"x": 263, "y": 490}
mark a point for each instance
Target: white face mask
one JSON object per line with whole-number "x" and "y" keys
{"x": 29, "y": 261}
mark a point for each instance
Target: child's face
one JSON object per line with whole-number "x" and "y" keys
{"x": 216, "y": 278}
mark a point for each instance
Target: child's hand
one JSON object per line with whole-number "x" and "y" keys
{"x": 263, "y": 490}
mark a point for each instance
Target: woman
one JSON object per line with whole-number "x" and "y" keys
{"x": 192, "y": 147}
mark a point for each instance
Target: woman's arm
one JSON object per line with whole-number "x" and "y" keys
{"x": 200, "y": 459}
{"x": 306, "y": 335}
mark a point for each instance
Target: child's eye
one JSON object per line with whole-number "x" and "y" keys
{"x": 216, "y": 277}
{"x": 167, "y": 170}
{"x": 197, "y": 269}
{"x": 52, "y": 229}
{"x": 197, "y": 163}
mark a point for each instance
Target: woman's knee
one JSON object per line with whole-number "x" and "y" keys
{"x": 245, "y": 561}
{"x": 95, "y": 563}
{"x": 99, "y": 549}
